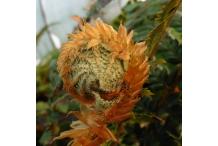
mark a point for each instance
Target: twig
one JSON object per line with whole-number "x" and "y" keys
{"x": 46, "y": 23}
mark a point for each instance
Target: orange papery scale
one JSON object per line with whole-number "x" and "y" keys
{"x": 115, "y": 104}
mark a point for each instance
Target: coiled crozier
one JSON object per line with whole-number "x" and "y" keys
{"x": 93, "y": 74}
{"x": 105, "y": 71}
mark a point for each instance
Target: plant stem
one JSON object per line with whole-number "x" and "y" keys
{"x": 46, "y": 23}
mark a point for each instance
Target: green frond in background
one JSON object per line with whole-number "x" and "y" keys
{"x": 164, "y": 18}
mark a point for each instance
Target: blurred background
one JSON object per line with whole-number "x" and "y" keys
{"x": 157, "y": 120}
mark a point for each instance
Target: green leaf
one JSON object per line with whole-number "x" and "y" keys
{"x": 41, "y": 107}
{"x": 63, "y": 108}
{"x": 160, "y": 61}
{"x": 154, "y": 37}
{"x": 175, "y": 35}
{"x": 132, "y": 7}
{"x": 62, "y": 104}
{"x": 146, "y": 92}
{"x": 46, "y": 138}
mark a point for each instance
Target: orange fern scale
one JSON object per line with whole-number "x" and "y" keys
{"x": 121, "y": 47}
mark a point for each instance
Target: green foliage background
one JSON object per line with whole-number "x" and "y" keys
{"x": 157, "y": 120}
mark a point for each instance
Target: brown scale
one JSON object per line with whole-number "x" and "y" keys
{"x": 105, "y": 71}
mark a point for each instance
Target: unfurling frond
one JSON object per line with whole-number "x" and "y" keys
{"x": 105, "y": 71}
